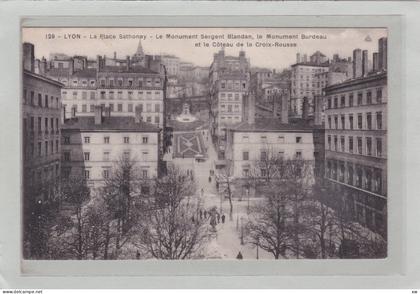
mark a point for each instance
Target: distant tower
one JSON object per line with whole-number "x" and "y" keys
{"x": 138, "y": 57}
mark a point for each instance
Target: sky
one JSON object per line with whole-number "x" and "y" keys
{"x": 341, "y": 40}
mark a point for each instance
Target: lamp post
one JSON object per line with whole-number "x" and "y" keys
{"x": 242, "y": 230}
{"x": 247, "y": 195}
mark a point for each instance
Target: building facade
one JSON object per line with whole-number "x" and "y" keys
{"x": 229, "y": 87}
{"x": 92, "y": 146}
{"x": 41, "y": 112}
{"x": 267, "y": 137}
{"x": 356, "y": 145}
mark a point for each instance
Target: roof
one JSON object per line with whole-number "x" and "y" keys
{"x": 271, "y": 124}
{"x": 85, "y": 73}
{"x": 351, "y": 82}
{"x": 325, "y": 64}
{"x": 122, "y": 68}
{"x": 58, "y": 72}
{"x": 113, "y": 123}
{"x": 43, "y": 78}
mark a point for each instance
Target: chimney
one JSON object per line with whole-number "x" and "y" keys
{"x": 98, "y": 115}
{"x": 357, "y": 63}
{"x": 137, "y": 117}
{"x": 297, "y": 57}
{"x": 43, "y": 66}
{"x": 365, "y": 63}
{"x": 249, "y": 108}
{"x": 37, "y": 65}
{"x": 375, "y": 61}
{"x": 28, "y": 57}
{"x": 305, "y": 108}
{"x": 128, "y": 65}
{"x": 284, "y": 109}
{"x": 305, "y": 58}
{"x": 71, "y": 66}
{"x": 382, "y": 53}
{"x": 318, "y": 101}
{"x": 115, "y": 55}
{"x": 63, "y": 114}
{"x": 73, "y": 112}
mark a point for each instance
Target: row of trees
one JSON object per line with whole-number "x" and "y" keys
{"x": 128, "y": 217}
{"x": 303, "y": 217}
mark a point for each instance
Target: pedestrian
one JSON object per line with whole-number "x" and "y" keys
{"x": 223, "y": 219}
{"x": 239, "y": 256}
{"x": 138, "y": 255}
{"x": 218, "y": 218}
{"x": 209, "y": 179}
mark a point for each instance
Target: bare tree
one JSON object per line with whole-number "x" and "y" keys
{"x": 121, "y": 192}
{"x": 170, "y": 228}
{"x": 270, "y": 223}
{"x": 225, "y": 182}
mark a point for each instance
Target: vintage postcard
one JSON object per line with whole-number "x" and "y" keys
{"x": 204, "y": 143}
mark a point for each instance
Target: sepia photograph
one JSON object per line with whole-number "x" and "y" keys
{"x": 204, "y": 143}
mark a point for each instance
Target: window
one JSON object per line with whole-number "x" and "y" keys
{"x": 84, "y": 95}
{"x": 377, "y": 181}
{"x": 46, "y": 148}
{"x": 111, "y": 94}
{"x": 263, "y": 173}
{"x": 149, "y": 119}
{"x": 298, "y": 140}
{"x": 130, "y": 107}
{"x": 144, "y": 173}
{"x": 106, "y": 156}
{"x": 378, "y": 147}
{"x": 263, "y": 155}
{"x": 343, "y": 101}
{"x": 57, "y": 146}
{"x": 40, "y": 149}
{"x": 343, "y": 122}
{"x": 157, "y": 119}
{"x": 329, "y": 122}
{"x": 46, "y": 125}
{"x": 66, "y": 140}
{"x": 379, "y": 96}
{"x": 106, "y": 140}
{"x": 87, "y": 174}
{"x": 102, "y": 94}
{"x": 39, "y": 124}
{"x": 379, "y": 120}
{"x": 39, "y": 100}
{"x": 359, "y": 145}
{"x": 368, "y": 184}
{"x": 359, "y": 121}
{"x": 46, "y": 101}
{"x": 335, "y": 102}
{"x": 84, "y": 108}
{"x": 92, "y": 108}
{"x": 359, "y": 98}
{"x": 368, "y": 97}
{"x": 351, "y": 144}
{"x": 111, "y": 106}
{"x": 351, "y": 121}
{"x": 92, "y": 95}
{"x": 130, "y": 95}
{"x": 369, "y": 120}
{"x": 351, "y": 100}
{"x": 148, "y": 107}
{"x": 119, "y": 107}
{"x": 350, "y": 175}
{"x": 66, "y": 156}
{"x": 87, "y": 140}
{"x": 298, "y": 154}
{"x": 359, "y": 174}
{"x": 343, "y": 144}
{"x": 86, "y": 156}
{"x": 145, "y": 140}
{"x": 329, "y": 142}
{"x": 245, "y": 155}
{"x": 32, "y": 98}
{"x": 157, "y": 107}
{"x": 336, "y": 122}
{"x": 126, "y": 140}
{"x": 335, "y": 143}
{"x": 105, "y": 173}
